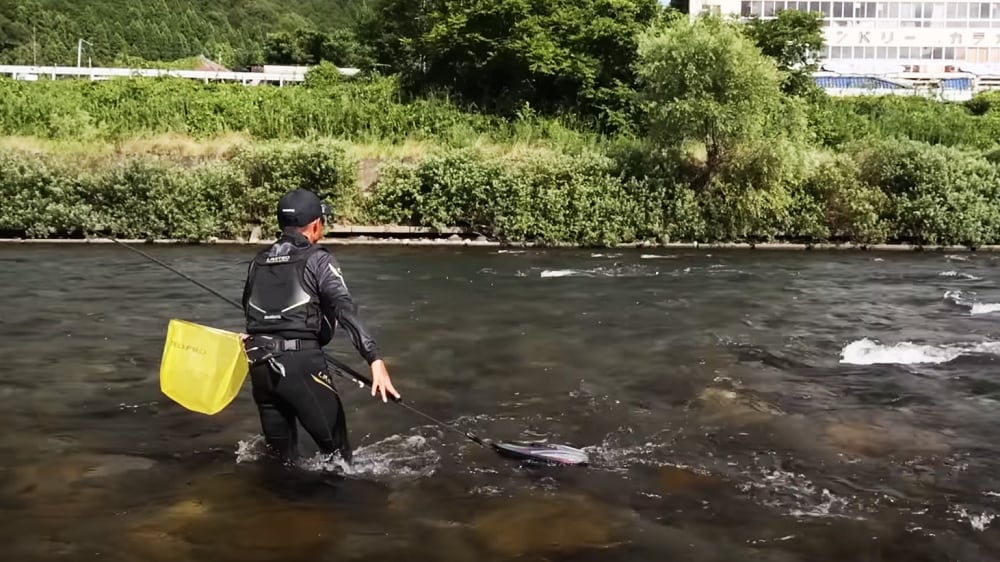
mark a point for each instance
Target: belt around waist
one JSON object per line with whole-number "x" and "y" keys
{"x": 279, "y": 343}
{"x": 297, "y": 344}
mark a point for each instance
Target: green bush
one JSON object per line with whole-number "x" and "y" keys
{"x": 544, "y": 196}
{"x": 665, "y": 207}
{"x": 937, "y": 195}
{"x": 144, "y": 197}
{"x": 358, "y": 109}
{"x": 875, "y": 191}
{"x": 834, "y": 204}
{"x": 838, "y": 121}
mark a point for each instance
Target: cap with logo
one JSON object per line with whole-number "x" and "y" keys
{"x": 300, "y": 207}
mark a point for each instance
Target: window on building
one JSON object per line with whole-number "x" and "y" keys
{"x": 977, "y": 54}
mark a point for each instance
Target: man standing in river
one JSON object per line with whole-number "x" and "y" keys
{"x": 294, "y": 295}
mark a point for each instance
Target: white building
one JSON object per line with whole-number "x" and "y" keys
{"x": 918, "y": 41}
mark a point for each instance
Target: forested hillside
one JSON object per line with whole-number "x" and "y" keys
{"x": 232, "y": 32}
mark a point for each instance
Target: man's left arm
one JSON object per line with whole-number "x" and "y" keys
{"x": 335, "y": 301}
{"x": 338, "y": 305}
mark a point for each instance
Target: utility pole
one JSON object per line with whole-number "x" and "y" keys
{"x": 79, "y": 51}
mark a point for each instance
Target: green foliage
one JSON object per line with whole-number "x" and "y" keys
{"x": 704, "y": 81}
{"x": 144, "y": 197}
{"x": 356, "y": 109}
{"x": 837, "y": 121}
{"x": 309, "y": 46}
{"x": 553, "y": 56}
{"x": 232, "y": 33}
{"x": 794, "y": 40}
{"x": 937, "y": 195}
{"x": 543, "y": 196}
{"x": 888, "y": 190}
{"x": 835, "y": 204}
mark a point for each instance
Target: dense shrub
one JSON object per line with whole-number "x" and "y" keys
{"x": 836, "y": 121}
{"x": 539, "y": 195}
{"x": 145, "y": 197}
{"x": 833, "y": 203}
{"x": 882, "y": 191}
{"x": 937, "y": 195}
{"x": 360, "y": 109}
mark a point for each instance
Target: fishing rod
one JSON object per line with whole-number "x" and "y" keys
{"x": 544, "y": 453}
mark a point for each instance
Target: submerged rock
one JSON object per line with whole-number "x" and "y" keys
{"x": 677, "y": 479}
{"x": 735, "y": 405}
{"x": 58, "y": 474}
{"x": 234, "y": 519}
{"x": 873, "y": 438}
{"x": 544, "y": 524}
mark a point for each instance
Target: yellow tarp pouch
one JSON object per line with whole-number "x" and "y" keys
{"x": 202, "y": 368}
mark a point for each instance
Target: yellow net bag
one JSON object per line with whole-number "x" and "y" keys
{"x": 202, "y": 368}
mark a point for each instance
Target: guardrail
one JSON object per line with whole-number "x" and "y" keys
{"x": 20, "y": 72}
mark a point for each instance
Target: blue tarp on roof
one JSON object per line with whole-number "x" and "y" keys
{"x": 956, "y": 84}
{"x": 856, "y": 82}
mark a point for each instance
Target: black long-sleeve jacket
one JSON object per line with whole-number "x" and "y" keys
{"x": 323, "y": 278}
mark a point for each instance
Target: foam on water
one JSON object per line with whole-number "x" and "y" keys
{"x": 985, "y": 308}
{"x": 615, "y": 457}
{"x": 565, "y": 273}
{"x": 759, "y": 476}
{"x": 978, "y": 522}
{"x": 958, "y": 275}
{"x": 624, "y": 271}
{"x": 868, "y": 352}
{"x": 794, "y": 493}
{"x": 968, "y": 300}
{"x": 395, "y": 457}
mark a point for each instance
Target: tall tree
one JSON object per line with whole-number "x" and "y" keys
{"x": 794, "y": 40}
{"x": 705, "y": 82}
{"x": 552, "y": 55}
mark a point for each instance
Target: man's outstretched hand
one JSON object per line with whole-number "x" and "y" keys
{"x": 381, "y": 381}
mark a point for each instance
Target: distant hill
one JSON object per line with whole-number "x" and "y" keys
{"x": 231, "y": 32}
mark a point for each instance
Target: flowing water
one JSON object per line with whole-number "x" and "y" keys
{"x": 735, "y": 405}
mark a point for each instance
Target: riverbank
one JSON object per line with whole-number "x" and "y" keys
{"x": 389, "y": 238}
{"x": 627, "y": 193}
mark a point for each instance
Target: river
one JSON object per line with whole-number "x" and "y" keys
{"x": 740, "y": 405}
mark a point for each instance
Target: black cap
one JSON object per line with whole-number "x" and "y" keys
{"x": 300, "y": 207}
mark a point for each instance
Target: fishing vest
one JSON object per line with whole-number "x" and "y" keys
{"x": 279, "y": 302}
